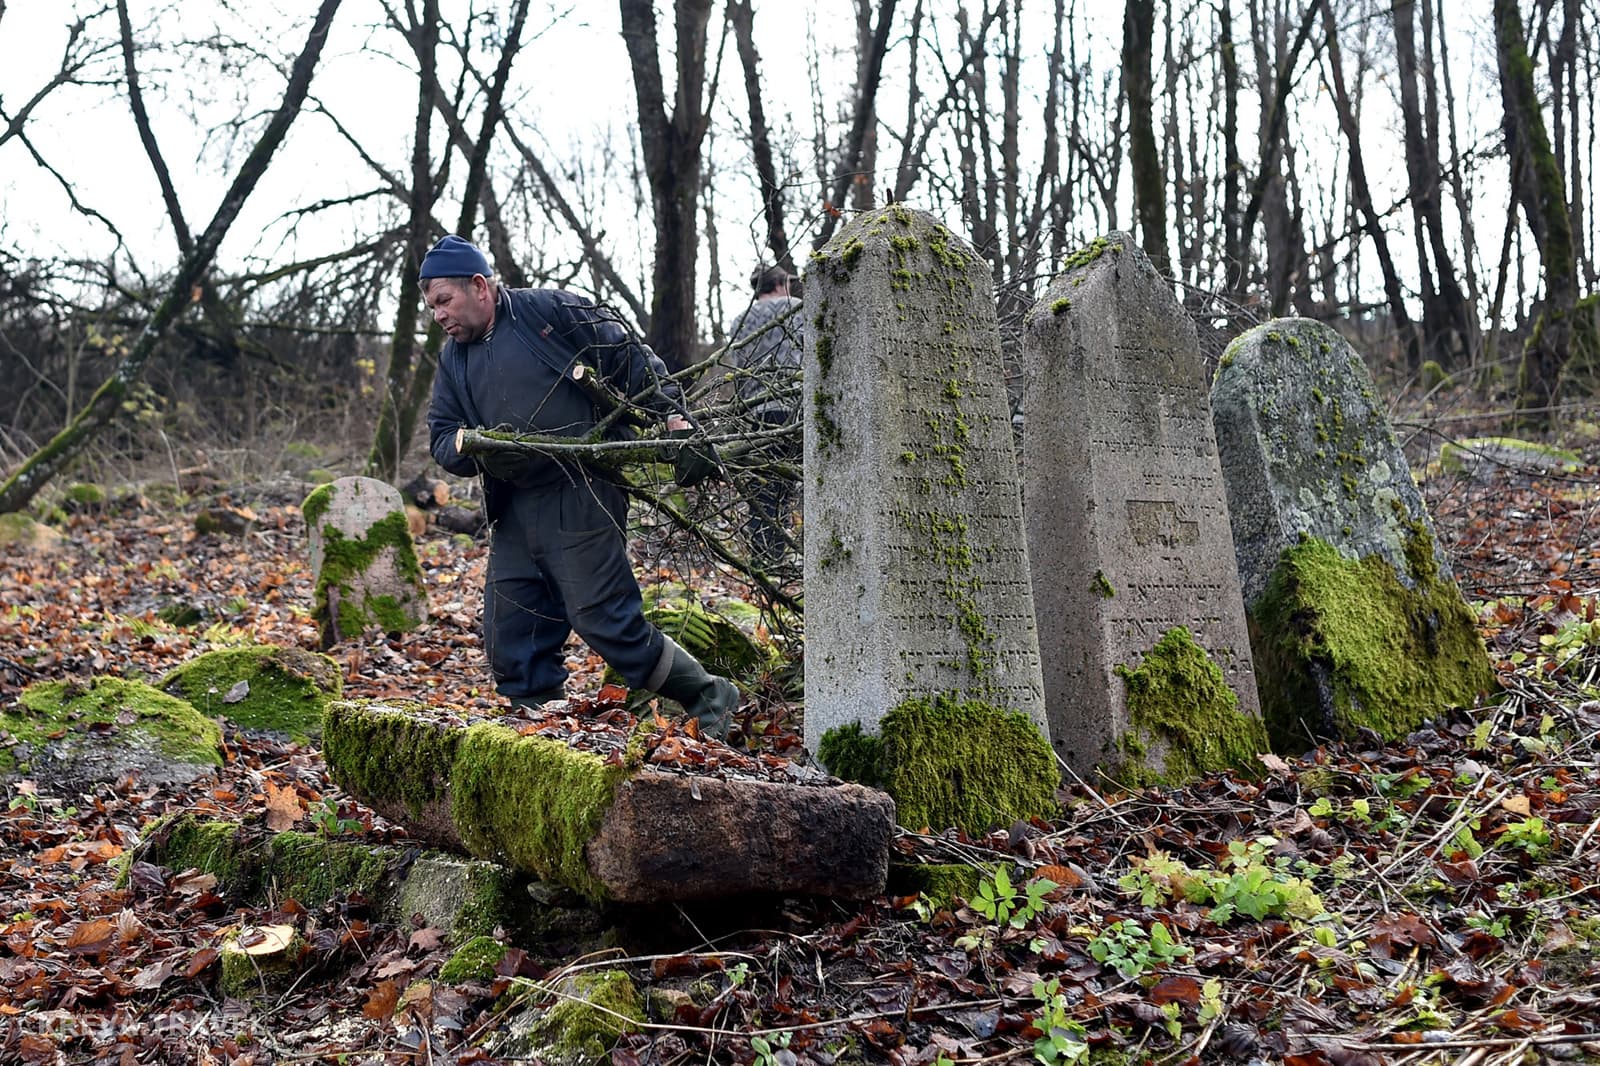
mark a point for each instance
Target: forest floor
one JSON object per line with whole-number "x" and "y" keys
{"x": 1432, "y": 900}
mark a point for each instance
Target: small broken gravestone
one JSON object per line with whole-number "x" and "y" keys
{"x": 922, "y": 661}
{"x": 1142, "y": 633}
{"x": 367, "y": 575}
{"x": 1354, "y": 620}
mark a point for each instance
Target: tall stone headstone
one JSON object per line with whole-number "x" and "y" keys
{"x": 1355, "y": 621}
{"x": 363, "y": 559}
{"x": 1147, "y": 666}
{"x": 922, "y": 660}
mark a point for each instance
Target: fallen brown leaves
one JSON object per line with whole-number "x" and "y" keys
{"x": 1456, "y": 869}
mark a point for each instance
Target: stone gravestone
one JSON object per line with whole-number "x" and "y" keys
{"x": 922, "y": 662}
{"x": 363, "y": 559}
{"x": 1355, "y": 622}
{"x": 1142, "y": 633}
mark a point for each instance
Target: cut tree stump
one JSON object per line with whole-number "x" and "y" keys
{"x": 610, "y": 829}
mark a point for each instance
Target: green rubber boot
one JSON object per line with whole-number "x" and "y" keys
{"x": 709, "y": 699}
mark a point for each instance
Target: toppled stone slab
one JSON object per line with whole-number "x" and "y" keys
{"x": 367, "y": 574}
{"x": 1355, "y": 622}
{"x": 72, "y": 736}
{"x": 1142, "y": 633}
{"x": 607, "y": 828}
{"x": 20, "y": 534}
{"x": 462, "y": 898}
{"x": 281, "y": 691}
{"x": 1480, "y": 457}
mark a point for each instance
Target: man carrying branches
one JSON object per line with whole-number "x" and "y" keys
{"x": 517, "y": 360}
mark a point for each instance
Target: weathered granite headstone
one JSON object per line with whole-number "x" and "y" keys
{"x": 922, "y": 660}
{"x": 1142, "y": 633}
{"x": 365, "y": 564}
{"x": 1354, "y": 620}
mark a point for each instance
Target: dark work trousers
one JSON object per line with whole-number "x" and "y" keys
{"x": 773, "y": 498}
{"x": 559, "y": 562}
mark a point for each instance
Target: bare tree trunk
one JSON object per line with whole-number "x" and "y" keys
{"x": 420, "y": 385}
{"x": 1458, "y": 181}
{"x": 1444, "y": 310}
{"x": 1361, "y": 193}
{"x": 383, "y": 462}
{"x": 672, "y": 148}
{"x": 1149, "y": 183}
{"x": 37, "y": 470}
{"x": 1559, "y": 336}
{"x": 741, "y": 15}
{"x": 864, "y": 110}
{"x": 1232, "y": 168}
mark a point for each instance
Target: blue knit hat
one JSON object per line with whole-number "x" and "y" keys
{"x": 453, "y": 257}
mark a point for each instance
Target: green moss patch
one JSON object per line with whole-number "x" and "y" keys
{"x": 534, "y": 800}
{"x": 385, "y": 755}
{"x": 1183, "y": 719}
{"x": 1341, "y": 644}
{"x": 473, "y": 961}
{"x": 942, "y": 883}
{"x": 1457, "y": 456}
{"x": 591, "y": 1011}
{"x": 951, "y": 763}
{"x": 257, "y": 866}
{"x": 68, "y": 713}
{"x": 285, "y": 690}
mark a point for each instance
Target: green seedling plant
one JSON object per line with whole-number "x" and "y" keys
{"x": 1132, "y": 951}
{"x": 769, "y": 1051}
{"x": 1061, "y": 1042}
{"x": 1250, "y": 881}
{"x": 329, "y": 824}
{"x": 1530, "y": 836}
{"x": 1002, "y": 904}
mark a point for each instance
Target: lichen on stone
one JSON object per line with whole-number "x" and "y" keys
{"x": 1341, "y": 644}
{"x": 1183, "y": 719}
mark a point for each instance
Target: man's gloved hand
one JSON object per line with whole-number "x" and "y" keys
{"x": 507, "y": 466}
{"x": 696, "y": 461}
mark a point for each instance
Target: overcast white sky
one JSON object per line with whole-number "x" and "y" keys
{"x": 575, "y": 88}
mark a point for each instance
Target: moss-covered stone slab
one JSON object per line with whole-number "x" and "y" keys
{"x": 19, "y": 533}
{"x": 282, "y": 691}
{"x": 462, "y": 898}
{"x": 1480, "y": 457}
{"x": 367, "y": 574}
{"x": 1354, "y": 621}
{"x": 70, "y": 736}
{"x": 573, "y": 1022}
{"x": 611, "y": 830}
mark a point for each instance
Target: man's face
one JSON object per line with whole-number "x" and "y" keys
{"x": 464, "y": 308}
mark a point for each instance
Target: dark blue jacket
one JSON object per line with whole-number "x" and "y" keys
{"x": 520, "y": 377}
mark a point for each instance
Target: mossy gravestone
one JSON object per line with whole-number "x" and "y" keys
{"x": 1353, "y": 619}
{"x": 1147, "y": 667}
{"x": 922, "y": 662}
{"x": 365, "y": 564}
